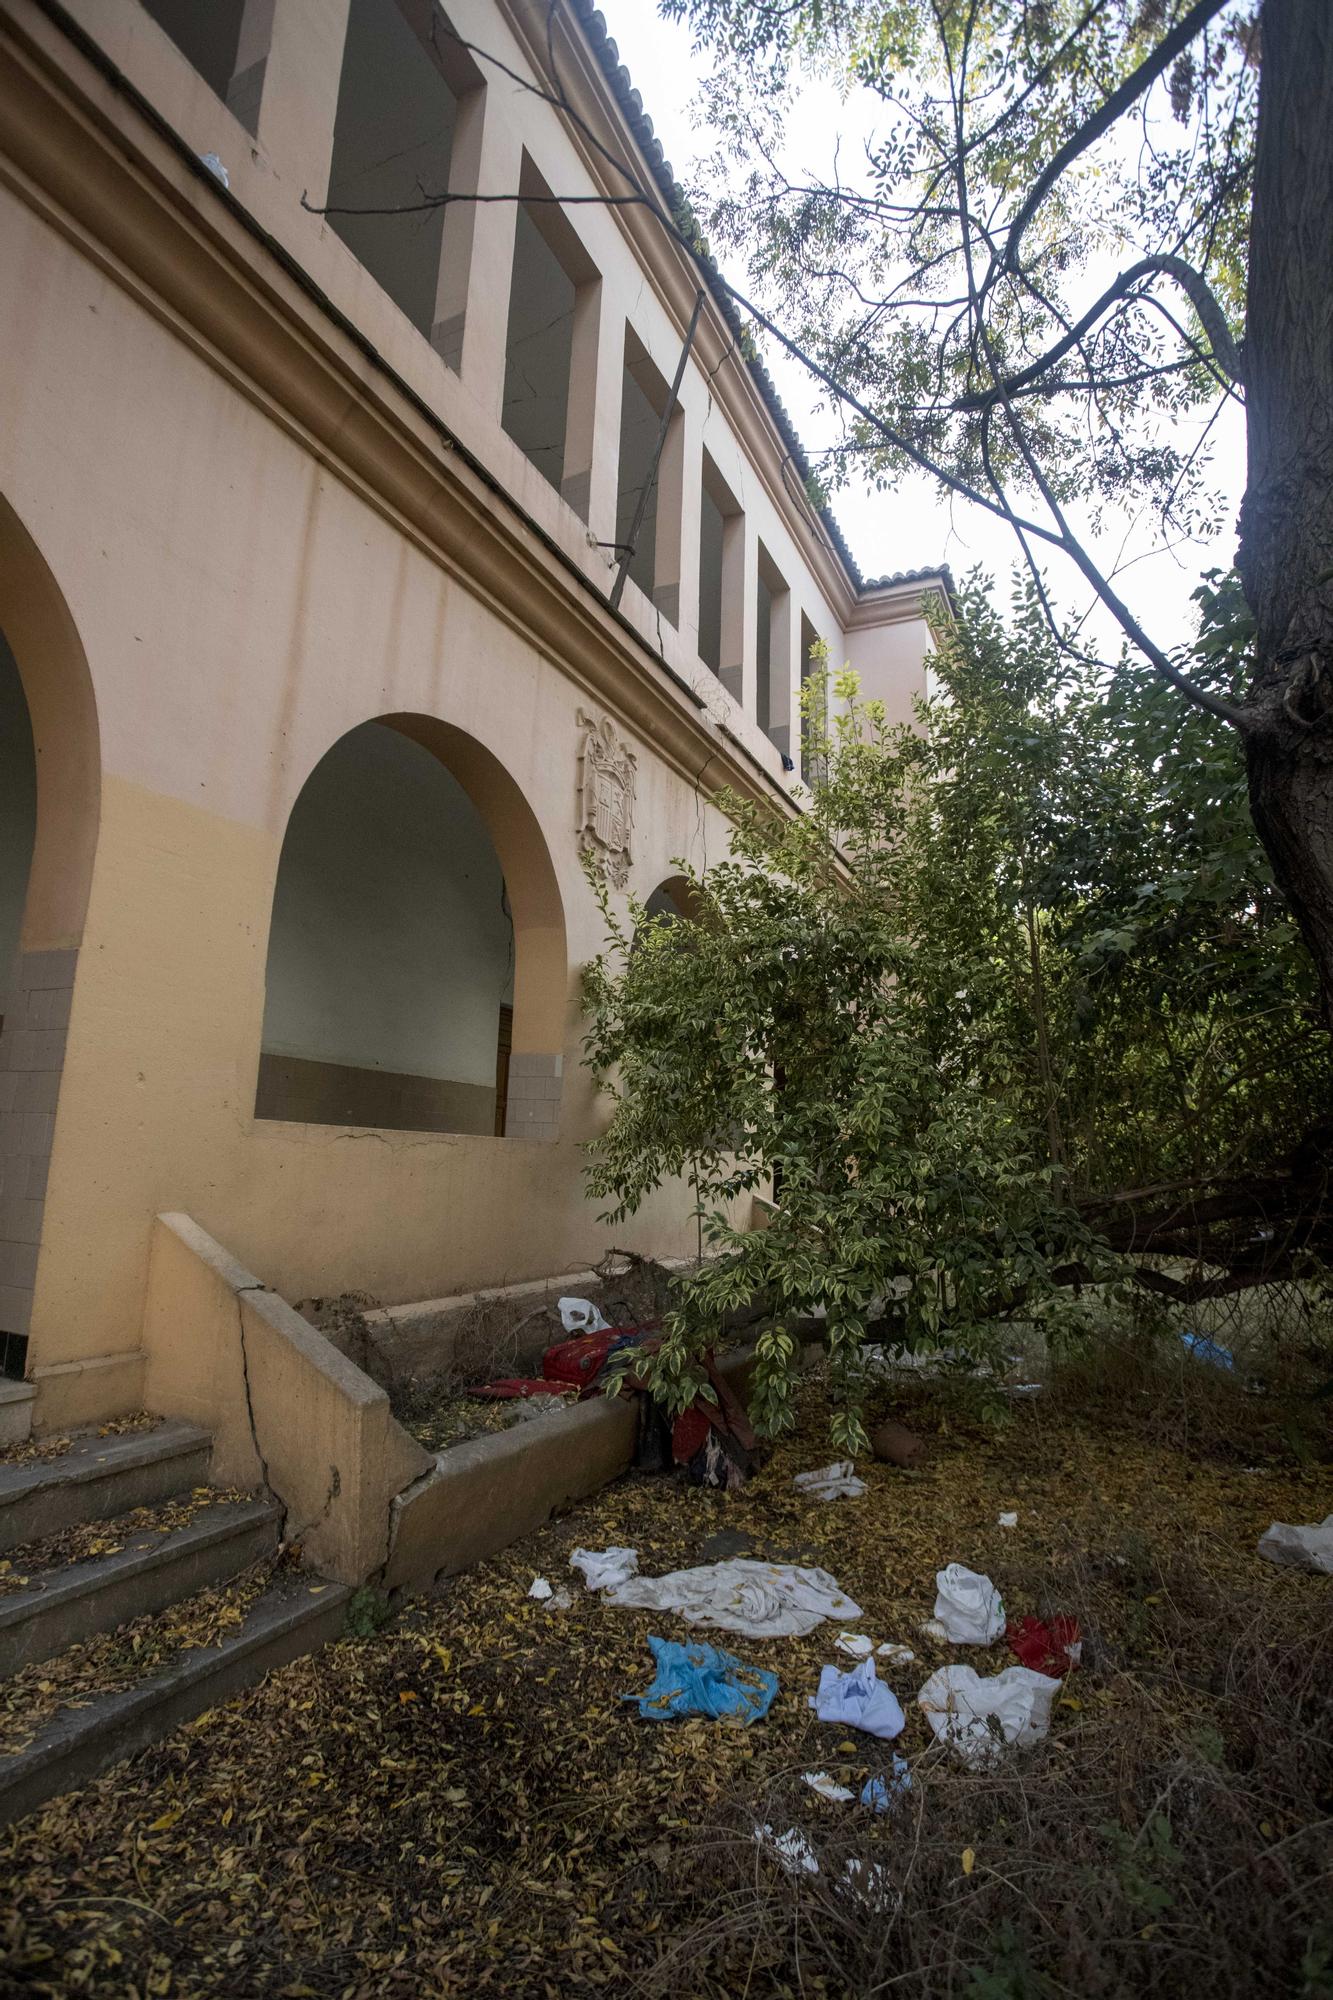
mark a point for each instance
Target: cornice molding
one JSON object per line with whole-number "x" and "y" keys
{"x": 78, "y": 149}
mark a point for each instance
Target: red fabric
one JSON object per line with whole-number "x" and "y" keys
{"x": 578, "y": 1361}
{"x": 689, "y": 1433}
{"x": 1051, "y": 1647}
{"x": 512, "y": 1387}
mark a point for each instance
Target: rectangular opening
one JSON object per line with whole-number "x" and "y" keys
{"x": 772, "y": 652}
{"x": 721, "y": 549}
{"x": 812, "y": 662}
{"x": 208, "y": 36}
{"x": 650, "y": 478}
{"x": 551, "y": 289}
{"x": 403, "y": 78}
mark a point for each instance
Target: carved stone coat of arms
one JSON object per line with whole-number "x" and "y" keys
{"x": 606, "y": 797}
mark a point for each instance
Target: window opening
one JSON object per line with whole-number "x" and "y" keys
{"x": 403, "y": 80}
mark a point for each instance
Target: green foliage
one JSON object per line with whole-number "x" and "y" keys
{"x": 368, "y": 1612}
{"x": 1005, "y": 963}
{"x": 895, "y": 272}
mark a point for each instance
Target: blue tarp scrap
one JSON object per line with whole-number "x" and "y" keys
{"x": 702, "y": 1680}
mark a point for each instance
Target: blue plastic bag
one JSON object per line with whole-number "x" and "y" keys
{"x": 701, "y": 1680}
{"x": 882, "y": 1793}
{"x": 1203, "y": 1349}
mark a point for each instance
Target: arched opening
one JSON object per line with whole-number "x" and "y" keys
{"x": 416, "y": 958}
{"x": 18, "y": 820}
{"x": 676, "y": 899}
{"x": 49, "y": 801}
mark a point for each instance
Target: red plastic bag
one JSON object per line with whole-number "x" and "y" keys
{"x": 576, "y": 1363}
{"x": 1052, "y": 1646}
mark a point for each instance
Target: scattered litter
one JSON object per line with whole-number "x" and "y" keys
{"x": 894, "y": 1444}
{"x": 1051, "y": 1645}
{"x": 1026, "y": 1388}
{"x": 702, "y": 1680}
{"x": 881, "y": 1794}
{"x": 895, "y": 1654}
{"x": 539, "y": 1588}
{"x": 867, "y": 1880}
{"x": 831, "y": 1482}
{"x": 1300, "y": 1548}
{"x": 216, "y": 168}
{"x": 537, "y": 1408}
{"x": 968, "y": 1606}
{"x": 855, "y": 1645}
{"x": 759, "y": 1600}
{"x": 827, "y": 1787}
{"x": 603, "y": 1569}
{"x": 859, "y": 1699}
{"x": 1201, "y": 1348}
{"x": 792, "y": 1849}
{"x": 582, "y": 1316}
{"x": 1008, "y": 1521}
{"x": 559, "y": 1600}
{"x": 978, "y": 1718}
{"x": 932, "y": 1629}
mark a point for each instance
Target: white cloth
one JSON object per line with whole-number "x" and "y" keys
{"x": 855, "y": 1645}
{"x": 859, "y": 1700}
{"x": 895, "y": 1654}
{"x": 831, "y": 1482}
{"x": 978, "y": 1718}
{"x": 602, "y": 1569}
{"x": 968, "y": 1606}
{"x": 1300, "y": 1548}
{"x": 760, "y": 1600}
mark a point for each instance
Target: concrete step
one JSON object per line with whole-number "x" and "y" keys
{"x": 99, "y": 1477}
{"x": 295, "y": 1615}
{"x": 60, "y": 1607}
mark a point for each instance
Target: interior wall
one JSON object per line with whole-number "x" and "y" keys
{"x": 18, "y": 815}
{"x": 639, "y": 426}
{"x": 710, "y": 582}
{"x": 207, "y": 33}
{"x": 391, "y": 951}
{"x": 539, "y": 347}
{"x": 392, "y": 137}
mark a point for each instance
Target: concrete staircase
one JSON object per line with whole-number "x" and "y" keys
{"x": 146, "y": 1567}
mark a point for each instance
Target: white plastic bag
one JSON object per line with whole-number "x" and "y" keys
{"x": 979, "y": 1718}
{"x": 831, "y": 1482}
{"x": 968, "y": 1606}
{"x": 581, "y": 1316}
{"x": 603, "y": 1569}
{"x": 1300, "y": 1548}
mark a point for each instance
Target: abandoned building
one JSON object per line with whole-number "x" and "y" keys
{"x": 368, "y": 561}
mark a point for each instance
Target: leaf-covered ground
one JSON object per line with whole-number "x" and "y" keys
{"x": 461, "y": 1804}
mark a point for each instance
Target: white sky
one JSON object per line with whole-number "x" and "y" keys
{"x": 916, "y": 527}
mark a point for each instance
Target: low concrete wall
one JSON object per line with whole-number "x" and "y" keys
{"x": 481, "y": 1496}
{"x": 422, "y": 1340}
{"x": 283, "y": 1405}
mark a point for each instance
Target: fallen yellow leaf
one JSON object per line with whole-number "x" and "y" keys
{"x": 969, "y": 1860}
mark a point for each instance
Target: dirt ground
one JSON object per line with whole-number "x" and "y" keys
{"x": 460, "y": 1803}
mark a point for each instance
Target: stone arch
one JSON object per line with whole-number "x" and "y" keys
{"x": 417, "y": 971}
{"x": 50, "y": 837}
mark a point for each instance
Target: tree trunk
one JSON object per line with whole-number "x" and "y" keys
{"x": 1285, "y": 557}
